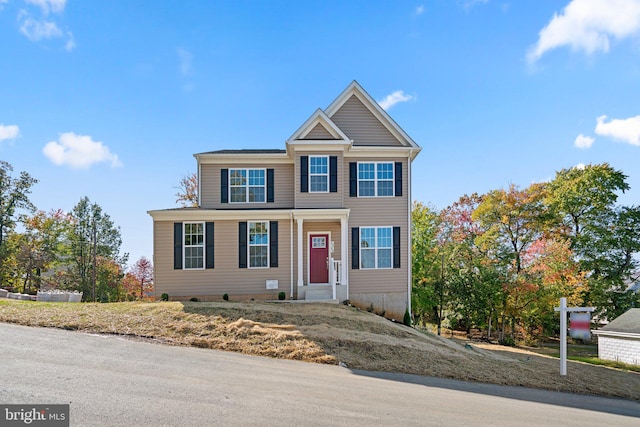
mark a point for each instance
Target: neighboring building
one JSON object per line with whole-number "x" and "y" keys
{"x": 620, "y": 339}
{"x": 329, "y": 218}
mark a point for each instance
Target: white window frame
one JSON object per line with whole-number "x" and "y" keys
{"x": 376, "y": 180}
{"x": 247, "y": 186}
{"x": 250, "y": 245}
{"x": 185, "y": 246}
{"x": 325, "y": 175}
{"x": 376, "y": 247}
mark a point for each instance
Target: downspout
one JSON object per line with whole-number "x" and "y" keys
{"x": 291, "y": 251}
{"x": 199, "y": 186}
{"x": 409, "y": 240}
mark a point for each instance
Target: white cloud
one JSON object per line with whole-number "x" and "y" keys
{"x": 584, "y": 141}
{"x": 186, "y": 59}
{"x": 8, "y": 132}
{"x": 587, "y": 25}
{"x": 71, "y": 42}
{"x": 580, "y": 166}
{"x": 394, "y": 98}
{"x": 79, "y": 151}
{"x": 419, "y": 10}
{"x": 37, "y": 30}
{"x": 626, "y": 130}
{"x": 55, "y": 6}
{"x": 468, "y": 4}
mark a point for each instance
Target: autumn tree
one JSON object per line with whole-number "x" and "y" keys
{"x": 187, "y": 195}
{"x": 40, "y": 246}
{"x": 512, "y": 222}
{"x": 139, "y": 280}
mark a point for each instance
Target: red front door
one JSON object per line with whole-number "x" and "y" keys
{"x": 318, "y": 258}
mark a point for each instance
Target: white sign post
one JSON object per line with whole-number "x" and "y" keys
{"x": 563, "y": 309}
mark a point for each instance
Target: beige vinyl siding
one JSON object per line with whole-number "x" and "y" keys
{"x": 380, "y": 212}
{"x": 316, "y": 227}
{"x": 210, "y": 187}
{"x": 319, "y": 132}
{"x": 226, "y": 277}
{"x": 362, "y": 126}
{"x": 319, "y": 200}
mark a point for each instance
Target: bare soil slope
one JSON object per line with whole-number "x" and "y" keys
{"x": 325, "y": 333}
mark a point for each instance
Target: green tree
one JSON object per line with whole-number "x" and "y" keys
{"x": 14, "y": 195}
{"x": 93, "y": 235}
{"x": 425, "y": 268}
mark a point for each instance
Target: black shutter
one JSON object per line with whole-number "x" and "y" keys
{"x": 304, "y": 174}
{"x": 224, "y": 185}
{"x": 398, "y": 174}
{"x": 353, "y": 179}
{"x": 242, "y": 245}
{"x": 355, "y": 248}
{"x": 333, "y": 174}
{"x": 396, "y": 247}
{"x": 269, "y": 185}
{"x": 209, "y": 249}
{"x": 177, "y": 246}
{"x": 273, "y": 243}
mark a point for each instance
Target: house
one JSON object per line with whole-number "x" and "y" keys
{"x": 620, "y": 339}
{"x": 326, "y": 218}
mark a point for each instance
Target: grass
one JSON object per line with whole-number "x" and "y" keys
{"x": 326, "y": 333}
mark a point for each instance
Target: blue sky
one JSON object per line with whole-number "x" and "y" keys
{"x": 110, "y": 99}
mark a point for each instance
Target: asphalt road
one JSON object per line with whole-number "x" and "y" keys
{"x": 110, "y": 381}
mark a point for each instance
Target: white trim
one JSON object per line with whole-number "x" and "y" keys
{"x": 244, "y": 158}
{"x": 205, "y": 214}
{"x": 370, "y": 151}
{"x": 409, "y": 239}
{"x": 184, "y": 245}
{"x": 309, "y": 234}
{"x": 300, "y": 248}
{"x": 199, "y": 184}
{"x": 261, "y": 245}
{"x": 247, "y": 186}
{"x": 631, "y": 335}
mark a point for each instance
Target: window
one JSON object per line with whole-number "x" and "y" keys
{"x": 259, "y": 244}
{"x": 376, "y": 247}
{"x": 193, "y": 245}
{"x": 247, "y": 185}
{"x": 375, "y": 179}
{"x": 318, "y": 174}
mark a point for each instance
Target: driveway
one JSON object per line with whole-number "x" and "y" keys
{"x": 110, "y": 381}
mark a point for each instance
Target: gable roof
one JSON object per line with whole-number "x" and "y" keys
{"x": 628, "y": 322}
{"x": 354, "y": 89}
{"x": 319, "y": 118}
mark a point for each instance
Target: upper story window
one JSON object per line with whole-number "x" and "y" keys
{"x": 247, "y": 185}
{"x": 193, "y": 245}
{"x": 259, "y": 244}
{"x": 375, "y": 247}
{"x": 375, "y": 179}
{"x": 318, "y": 174}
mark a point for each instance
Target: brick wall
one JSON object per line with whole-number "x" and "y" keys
{"x": 619, "y": 349}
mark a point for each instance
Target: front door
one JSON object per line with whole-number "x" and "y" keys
{"x": 318, "y": 258}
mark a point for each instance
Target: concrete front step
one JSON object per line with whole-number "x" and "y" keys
{"x": 318, "y": 292}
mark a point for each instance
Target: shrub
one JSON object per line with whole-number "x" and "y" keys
{"x": 225, "y": 297}
{"x": 407, "y": 317}
{"x": 370, "y": 309}
{"x": 194, "y": 299}
{"x": 281, "y": 296}
{"x": 164, "y": 297}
